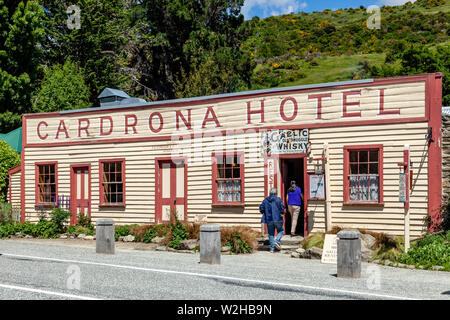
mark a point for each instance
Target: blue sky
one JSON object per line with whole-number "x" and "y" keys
{"x": 265, "y": 8}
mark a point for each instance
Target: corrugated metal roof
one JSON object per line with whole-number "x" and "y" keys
{"x": 235, "y": 94}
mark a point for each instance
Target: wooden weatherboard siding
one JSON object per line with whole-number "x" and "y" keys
{"x": 14, "y": 186}
{"x": 388, "y": 112}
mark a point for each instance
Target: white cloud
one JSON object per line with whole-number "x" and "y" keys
{"x": 394, "y": 2}
{"x": 265, "y": 8}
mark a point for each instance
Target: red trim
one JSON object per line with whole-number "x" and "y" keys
{"x": 215, "y": 201}
{"x": 9, "y": 188}
{"x": 73, "y": 219}
{"x": 36, "y": 182}
{"x": 22, "y": 164}
{"x": 101, "y": 191}
{"x": 346, "y": 191}
{"x": 158, "y": 201}
{"x": 434, "y": 100}
{"x": 15, "y": 169}
{"x": 305, "y": 185}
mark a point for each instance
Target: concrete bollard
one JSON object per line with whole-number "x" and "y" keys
{"x": 104, "y": 238}
{"x": 349, "y": 254}
{"x": 210, "y": 248}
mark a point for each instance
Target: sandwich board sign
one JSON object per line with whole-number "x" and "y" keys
{"x": 329, "y": 253}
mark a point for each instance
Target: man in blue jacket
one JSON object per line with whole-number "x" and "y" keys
{"x": 272, "y": 209}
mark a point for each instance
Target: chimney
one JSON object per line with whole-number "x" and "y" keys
{"x": 114, "y": 97}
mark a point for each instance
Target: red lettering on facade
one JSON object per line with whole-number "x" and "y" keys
{"x": 259, "y": 111}
{"x": 39, "y": 130}
{"x": 319, "y": 98}
{"x": 210, "y": 118}
{"x": 346, "y": 104}
{"x": 179, "y": 115}
{"x": 381, "y": 106}
{"x": 83, "y": 128}
{"x": 102, "y": 132}
{"x": 62, "y": 128}
{"x": 130, "y": 125}
{"x": 294, "y": 113}
{"x": 150, "y": 122}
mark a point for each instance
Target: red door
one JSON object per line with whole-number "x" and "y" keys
{"x": 80, "y": 192}
{"x": 171, "y": 190}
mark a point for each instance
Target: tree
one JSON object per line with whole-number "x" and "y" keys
{"x": 8, "y": 160}
{"x": 173, "y": 38}
{"x": 63, "y": 88}
{"x": 21, "y": 31}
{"x": 416, "y": 59}
{"x": 96, "y": 44}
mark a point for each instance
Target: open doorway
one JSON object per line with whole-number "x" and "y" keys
{"x": 293, "y": 169}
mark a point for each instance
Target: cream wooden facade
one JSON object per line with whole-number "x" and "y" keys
{"x": 14, "y": 190}
{"x": 236, "y": 123}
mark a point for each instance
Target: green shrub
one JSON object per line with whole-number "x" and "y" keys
{"x": 6, "y": 229}
{"x": 5, "y": 212}
{"x": 85, "y": 221}
{"x": 8, "y": 160}
{"x": 178, "y": 233}
{"x": 432, "y": 250}
{"x": 123, "y": 231}
{"x": 45, "y": 229}
{"x": 149, "y": 235}
{"x": 59, "y": 218}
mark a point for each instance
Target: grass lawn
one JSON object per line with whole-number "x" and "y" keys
{"x": 335, "y": 68}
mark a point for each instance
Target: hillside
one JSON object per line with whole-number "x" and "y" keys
{"x": 328, "y": 46}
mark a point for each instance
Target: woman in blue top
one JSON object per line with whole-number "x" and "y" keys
{"x": 294, "y": 201}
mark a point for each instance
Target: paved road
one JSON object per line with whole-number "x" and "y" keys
{"x": 49, "y": 270}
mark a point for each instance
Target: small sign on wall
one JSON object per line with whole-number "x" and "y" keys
{"x": 285, "y": 141}
{"x": 329, "y": 253}
{"x": 402, "y": 188}
{"x": 316, "y": 186}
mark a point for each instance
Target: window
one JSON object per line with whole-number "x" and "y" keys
{"x": 112, "y": 182}
{"x": 228, "y": 178}
{"x": 363, "y": 174}
{"x": 46, "y": 183}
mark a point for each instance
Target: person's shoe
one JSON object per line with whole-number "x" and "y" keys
{"x": 272, "y": 251}
{"x": 278, "y": 246}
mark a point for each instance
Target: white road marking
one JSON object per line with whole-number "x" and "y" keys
{"x": 212, "y": 276}
{"x": 53, "y": 293}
